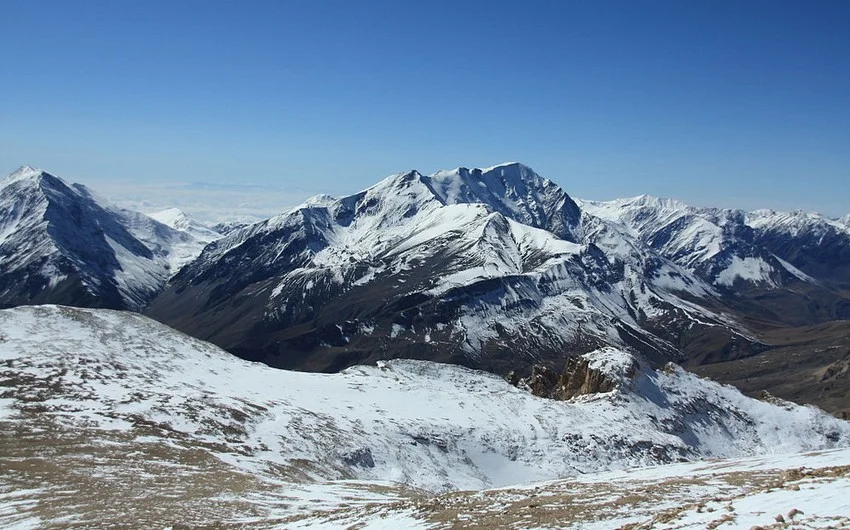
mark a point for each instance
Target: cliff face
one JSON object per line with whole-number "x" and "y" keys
{"x": 580, "y": 376}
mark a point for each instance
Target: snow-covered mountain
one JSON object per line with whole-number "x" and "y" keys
{"x": 783, "y": 268}
{"x": 495, "y": 268}
{"x": 728, "y": 247}
{"x": 178, "y": 220}
{"x": 198, "y": 234}
{"x": 226, "y": 227}
{"x": 128, "y": 380}
{"x": 814, "y": 244}
{"x": 60, "y": 243}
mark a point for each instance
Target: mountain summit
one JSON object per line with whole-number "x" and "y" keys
{"x": 493, "y": 268}
{"x": 59, "y": 243}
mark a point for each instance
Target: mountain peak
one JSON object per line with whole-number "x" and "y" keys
{"x": 23, "y": 173}
{"x": 61, "y": 243}
{"x": 656, "y": 202}
{"x": 27, "y": 169}
{"x": 483, "y": 184}
{"x": 169, "y": 215}
{"x": 509, "y": 170}
{"x": 178, "y": 220}
{"x": 508, "y": 166}
{"x": 30, "y": 180}
{"x": 322, "y": 199}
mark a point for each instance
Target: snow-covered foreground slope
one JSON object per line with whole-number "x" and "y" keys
{"x": 799, "y": 491}
{"x": 100, "y": 404}
{"x": 426, "y": 424}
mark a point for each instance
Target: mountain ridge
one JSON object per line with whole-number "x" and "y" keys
{"x": 495, "y": 268}
{"x": 435, "y": 247}
{"x": 60, "y": 242}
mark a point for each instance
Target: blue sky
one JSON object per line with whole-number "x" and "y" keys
{"x": 741, "y": 104}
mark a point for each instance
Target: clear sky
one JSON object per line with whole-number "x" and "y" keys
{"x": 743, "y": 103}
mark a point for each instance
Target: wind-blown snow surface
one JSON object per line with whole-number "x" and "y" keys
{"x": 433, "y": 426}
{"x": 799, "y": 491}
{"x": 60, "y": 242}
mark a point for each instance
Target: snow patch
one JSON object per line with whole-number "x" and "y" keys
{"x": 611, "y": 361}
{"x": 750, "y": 269}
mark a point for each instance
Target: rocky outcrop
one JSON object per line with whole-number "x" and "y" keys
{"x": 579, "y": 378}
{"x": 581, "y": 375}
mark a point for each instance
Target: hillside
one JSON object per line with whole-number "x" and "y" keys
{"x": 102, "y": 407}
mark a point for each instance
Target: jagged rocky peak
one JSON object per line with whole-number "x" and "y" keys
{"x": 748, "y": 250}
{"x": 595, "y": 372}
{"x": 512, "y": 190}
{"x": 515, "y": 191}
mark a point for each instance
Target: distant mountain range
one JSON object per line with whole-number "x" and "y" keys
{"x": 803, "y": 258}
{"x": 496, "y": 268}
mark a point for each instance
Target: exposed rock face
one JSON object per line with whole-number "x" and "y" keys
{"x": 579, "y": 377}
{"x": 360, "y": 457}
{"x": 542, "y": 382}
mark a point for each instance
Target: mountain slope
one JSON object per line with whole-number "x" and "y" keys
{"x": 775, "y": 268}
{"x": 59, "y": 243}
{"x": 494, "y": 268}
{"x": 110, "y": 418}
{"x": 810, "y": 364}
{"x": 420, "y": 423}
